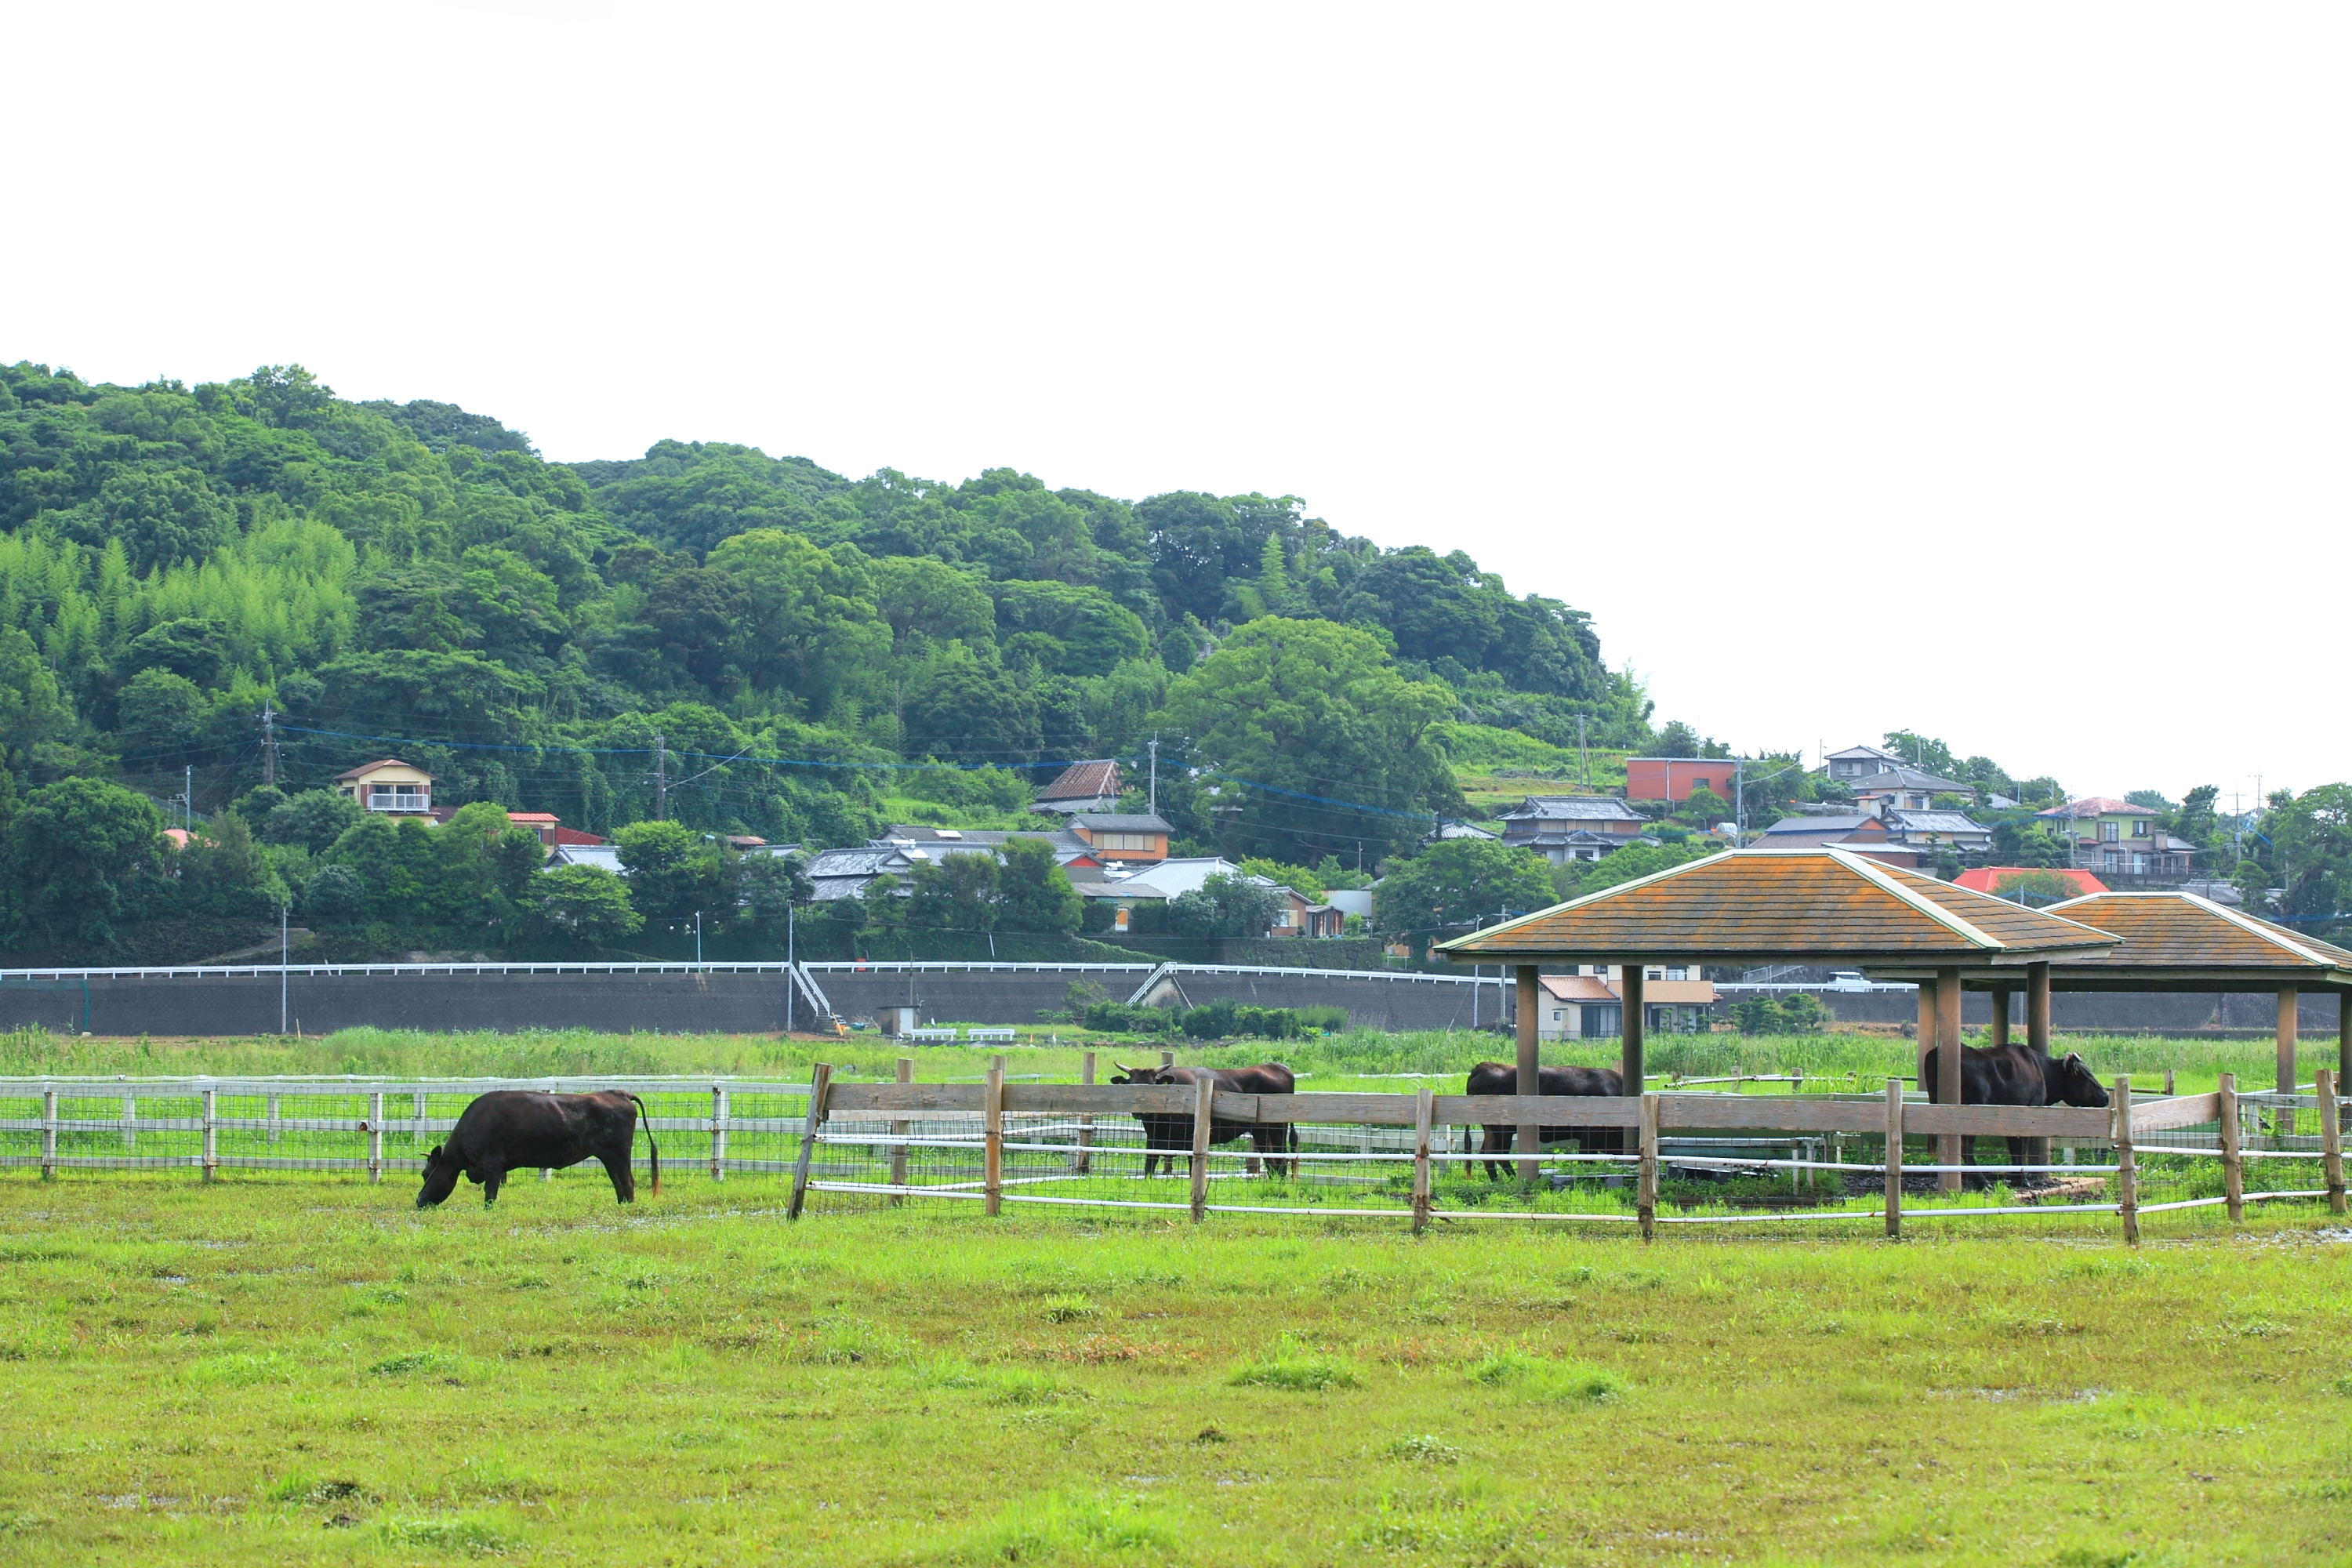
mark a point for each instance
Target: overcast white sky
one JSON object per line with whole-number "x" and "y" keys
{"x": 1980, "y": 369}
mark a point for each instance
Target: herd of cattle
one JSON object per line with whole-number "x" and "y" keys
{"x": 515, "y": 1129}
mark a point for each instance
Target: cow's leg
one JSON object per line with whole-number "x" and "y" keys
{"x": 1969, "y": 1157}
{"x": 2021, "y": 1150}
{"x": 1498, "y": 1141}
{"x": 624, "y": 1181}
{"x": 494, "y": 1175}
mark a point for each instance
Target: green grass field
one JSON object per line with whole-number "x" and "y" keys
{"x": 276, "y": 1370}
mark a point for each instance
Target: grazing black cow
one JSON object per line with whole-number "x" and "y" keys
{"x": 1494, "y": 1078}
{"x": 1168, "y": 1133}
{"x": 518, "y": 1129}
{"x": 2013, "y": 1075}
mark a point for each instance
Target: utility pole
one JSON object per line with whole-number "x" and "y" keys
{"x": 188, "y": 799}
{"x": 1583, "y": 766}
{"x": 283, "y": 949}
{"x": 268, "y": 747}
{"x": 661, "y": 778}
{"x": 698, "y": 939}
{"x": 1155, "y": 772}
{"x": 1739, "y": 804}
{"x": 791, "y": 971}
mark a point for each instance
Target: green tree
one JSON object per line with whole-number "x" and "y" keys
{"x": 482, "y": 864}
{"x": 2197, "y": 821}
{"x": 955, "y": 892}
{"x": 1316, "y": 739}
{"x": 395, "y": 862}
{"x": 1224, "y": 906}
{"x": 1704, "y": 808}
{"x": 32, "y": 710}
{"x": 313, "y": 819}
{"x": 1458, "y": 883}
{"x": 2311, "y": 843}
{"x": 674, "y": 872}
{"x": 965, "y": 711}
{"x": 223, "y": 872}
{"x": 1579, "y": 878}
{"x": 78, "y": 851}
{"x": 767, "y": 888}
{"x": 585, "y": 904}
{"x": 1297, "y": 878}
{"x": 815, "y": 629}
{"x": 1034, "y": 893}
{"x": 2034, "y": 887}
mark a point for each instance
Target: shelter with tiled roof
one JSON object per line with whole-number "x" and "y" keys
{"x": 1083, "y": 786}
{"x": 1785, "y": 906}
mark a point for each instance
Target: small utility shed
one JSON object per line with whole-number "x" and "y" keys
{"x": 2178, "y": 942}
{"x": 1785, "y": 906}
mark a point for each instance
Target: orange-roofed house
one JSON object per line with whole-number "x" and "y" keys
{"x": 389, "y": 784}
{"x": 1989, "y": 879}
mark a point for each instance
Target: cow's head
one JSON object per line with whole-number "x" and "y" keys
{"x": 441, "y": 1174}
{"x": 1127, "y": 1073}
{"x": 2072, "y": 1083}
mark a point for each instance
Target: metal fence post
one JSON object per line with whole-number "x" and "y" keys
{"x": 274, "y": 1118}
{"x": 1647, "y": 1198}
{"x": 1895, "y": 1158}
{"x": 2331, "y": 1138}
{"x": 212, "y": 1135}
{"x": 1421, "y": 1115}
{"x": 375, "y": 1137}
{"x": 2234, "y": 1164}
{"x": 48, "y": 1134}
{"x": 2126, "y": 1173}
{"x": 718, "y": 1132}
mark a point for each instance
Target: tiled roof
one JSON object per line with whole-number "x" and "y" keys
{"x": 1937, "y": 822}
{"x": 371, "y": 767}
{"x": 2095, "y": 806}
{"x": 1573, "y": 808}
{"x": 1910, "y": 778}
{"x": 1111, "y": 822}
{"x": 2182, "y": 931}
{"x": 1843, "y": 823}
{"x": 1085, "y": 781}
{"x": 1790, "y": 904}
{"x": 1576, "y": 987}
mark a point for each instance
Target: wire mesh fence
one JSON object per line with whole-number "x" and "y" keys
{"x": 371, "y": 1127}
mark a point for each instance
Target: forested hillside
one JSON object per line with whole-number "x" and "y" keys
{"x": 415, "y": 579}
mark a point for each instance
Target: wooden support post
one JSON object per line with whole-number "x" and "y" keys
{"x": 2283, "y": 1124}
{"x": 1530, "y": 1137}
{"x": 2037, "y": 1037}
{"x": 898, "y": 1131}
{"x": 1168, "y": 1059}
{"x": 1999, "y": 1033}
{"x": 992, "y": 1173}
{"x": 1927, "y": 1041}
{"x": 1894, "y": 1157}
{"x": 274, "y": 1119}
{"x": 375, "y": 1137}
{"x": 1645, "y": 1198}
{"x": 1421, "y": 1117}
{"x": 1948, "y": 1070}
{"x": 1637, "y": 1017}
{"x": 2233, "y": 1165}
{"x": 2126, "y": 1172}
{"x": 48, "y": 1134}
{"x": 2331, "y": 1140}
{"x": 1083, "y": 1161}
{"x": 2342, "y": 1038}
{"x": 2168, "y": 1083}
{"x": 820, "y": 1085}
{"x": 718, "y": 1132}
{"x": 212, "y": 1133}
{"x": 1204, "y": 1097}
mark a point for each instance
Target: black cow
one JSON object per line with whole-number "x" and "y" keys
{"x": 2013, "y": 1075}
{"x": 1494, "y": 1078}
{"x": 518, "y": 1129}
{"x": 1168, "y": 1133}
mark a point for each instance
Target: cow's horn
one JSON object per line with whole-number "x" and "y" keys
{"x": 1122, "y": 1066}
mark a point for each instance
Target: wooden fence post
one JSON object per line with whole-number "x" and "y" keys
{"x": 820, "y": 1082}
{"x": 718, "y": 1132}
{"x": 1205, "y": 1103}
{"x": 1528, "y": 1136}
{"x": 992, "y": 1172}
{"x": 1421, "y": 1113}
{"x": 1646, "y": 1196}
{"x": 1895, "y": 1158}
{"x": 1083, "y": 1161}
{"x": 48, "y": 1134}
{"x": 2233, "y": 1165}
{"x": 1168, "y": 1059}
{"x": 375, "y": 1137}
{"x": 2126, "y": 1175}
{"x": 2331, "y": 1139}
{"x": 898, "y": 1131}
{"x": 212, "y": 1135}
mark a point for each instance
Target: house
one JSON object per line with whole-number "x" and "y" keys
{"x": 847, "y": 873}
{"x": 1083, "y": 786}
{"x": 1446, "y": 830}
{"x": 1675, "y": 778}
{"x": 1589, "y": 1003}
{"x": 1989, "y": 879}
{"x": 606, "y": 856}
{"x": 388, "y": 784}
{"x": 550, "y": 829}
{"x": 1072, "y": 853}
{"x": 1131, "y": 840}
{"x": 2118, "y": 836}
{"x": 1860, "y": 763}
{"x": 1863, "y": 833}
{"x": 1565, "y": 828}
{"x": 1954, "y": 829}
{"x": 1900, "y": 788}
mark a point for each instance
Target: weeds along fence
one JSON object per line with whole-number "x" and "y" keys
{"x": 209, "y": 1124}
{"x": 1659, "y": 1159}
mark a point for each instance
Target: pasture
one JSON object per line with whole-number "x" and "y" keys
{"x": 300, "y": 1367}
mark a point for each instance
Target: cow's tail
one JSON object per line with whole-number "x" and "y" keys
{"x": 645, "y": 1119}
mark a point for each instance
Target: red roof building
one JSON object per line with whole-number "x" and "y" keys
{"x": 1989, "y": 879}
